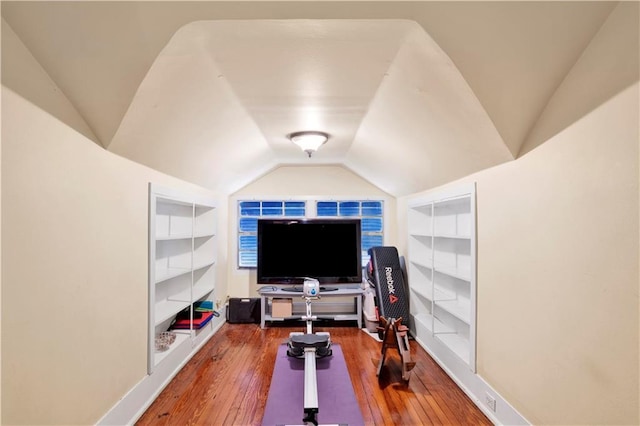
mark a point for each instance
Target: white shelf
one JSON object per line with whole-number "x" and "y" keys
{"x": 442, "y": 268}
{"x": 419, "y": 234}
{"x": 424, "y": 235}
{"x": 183, "y": 296}
{"x": 203, "y": 265}
{"x": 174, "y": 200}
{"x": 334, "y": 317}
{"x": 168, "y": 309}
{"x": 199, "y": 291}
{"x": 164, "y": 274}
{"x": 167, "y": 237}
{"x": 428, "y": 321}
{"x": 453, "y": 236}
{"x": 458, "y": 308}
{"x": 204, "y": 235}
{"x": 200, "y": 335}
{"x": 341, "y": 317}
{"x": 424, "y": 263}
{"x": 457, "y": 344}
{"x": 427, "y": 291}
{"x": 452, "y": 271}
{"x": 181, "y": 339}
{"x": 425, "y": 209}
{"x": 422, "y": 293}
{"x": 182, "y": 252}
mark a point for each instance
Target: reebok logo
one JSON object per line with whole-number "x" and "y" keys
{"x": 390, "y": 286}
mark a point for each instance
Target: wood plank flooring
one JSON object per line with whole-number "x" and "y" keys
{"x": 227, "y": 382}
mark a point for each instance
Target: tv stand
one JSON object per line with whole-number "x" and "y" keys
{"x": 288, "y": 293}
{"x": 322, "y": 288}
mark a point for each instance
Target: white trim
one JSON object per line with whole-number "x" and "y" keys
{"x": 138, "y": 399}
{"x": 458, "y": 191}
{"x": 471, "y": 384}
{"x": 173, "y": 195}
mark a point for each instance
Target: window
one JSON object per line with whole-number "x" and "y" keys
{"x": 248, "y": 214}
{"x": 371, "y": 214}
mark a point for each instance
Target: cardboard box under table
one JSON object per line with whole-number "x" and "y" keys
{"x": 281, "y": 308}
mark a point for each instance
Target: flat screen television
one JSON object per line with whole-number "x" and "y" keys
{"x": 328, "y": 250}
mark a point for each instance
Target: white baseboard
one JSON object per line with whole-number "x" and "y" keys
{"x": 472, "y": 384}
{"x": 135, "y": 402}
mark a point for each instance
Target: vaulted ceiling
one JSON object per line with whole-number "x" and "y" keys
{"x": 412, "y": 94}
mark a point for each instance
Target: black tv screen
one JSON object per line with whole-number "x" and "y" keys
{"x": 326, "y": 249}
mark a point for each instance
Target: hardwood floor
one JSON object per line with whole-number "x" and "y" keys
{"x": 227, "y": 382}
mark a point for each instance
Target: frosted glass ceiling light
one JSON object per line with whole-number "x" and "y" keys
{"x": 309, "y": 142}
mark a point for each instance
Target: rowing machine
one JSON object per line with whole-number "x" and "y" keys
{"x": 310, "y": 346}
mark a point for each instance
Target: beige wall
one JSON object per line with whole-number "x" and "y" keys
{"x": 569, "y": 255}
{"x": 558, "y": 280}
{"x": 300, "y": 182}
{"x": 0, "y": 262}
{"x": 74, "y": 284}
{"x": 557, "y": 283}
{"x": 558, "y": 273}
{"x": 74, "y": 306}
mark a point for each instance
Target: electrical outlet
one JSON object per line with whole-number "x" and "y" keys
{"x": 491, "y": 402}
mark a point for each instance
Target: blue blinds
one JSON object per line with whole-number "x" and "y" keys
{"x": 248, "y": 214}
{"x": 370, "y": 213}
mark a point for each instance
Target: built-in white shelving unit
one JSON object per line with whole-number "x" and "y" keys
{"x": 182, "y": 261}
{"x": 442, "y": 271}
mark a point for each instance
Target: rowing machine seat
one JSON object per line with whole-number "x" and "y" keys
{"x": 298, "y": 342}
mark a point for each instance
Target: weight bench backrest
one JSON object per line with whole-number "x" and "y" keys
{"x": 387, "y": 277}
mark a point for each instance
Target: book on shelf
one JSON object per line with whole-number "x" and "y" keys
{"x": 203, "y": 306}
{"x": 199, "y": 321}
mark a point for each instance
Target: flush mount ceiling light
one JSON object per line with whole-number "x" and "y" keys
{"x": 309, "y": 142}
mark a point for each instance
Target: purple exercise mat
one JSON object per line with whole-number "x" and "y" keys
{"x": 336, "y": 400}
